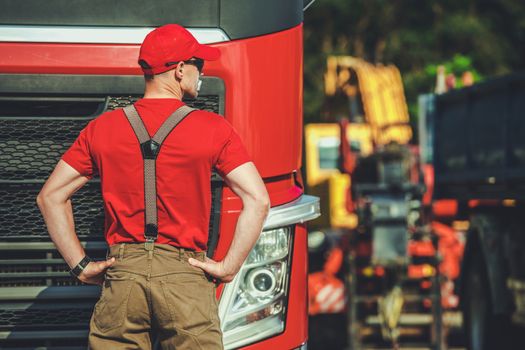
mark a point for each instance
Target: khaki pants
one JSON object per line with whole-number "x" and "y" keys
{"x": 157, "y": 293}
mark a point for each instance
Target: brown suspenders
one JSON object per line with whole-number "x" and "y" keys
{"x": 150, "y": 148}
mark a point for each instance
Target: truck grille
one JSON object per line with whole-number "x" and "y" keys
{"x": 20, "y": 217}
{"x": 43, "y": 306}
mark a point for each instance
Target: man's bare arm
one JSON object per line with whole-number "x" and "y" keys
{"x": 54, "y": 202}
{"x": 246, "y": 182}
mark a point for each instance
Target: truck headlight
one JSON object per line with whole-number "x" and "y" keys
{"x": 253, "y": 305}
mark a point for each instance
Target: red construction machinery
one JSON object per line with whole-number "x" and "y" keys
{"x": 400, "y": 263}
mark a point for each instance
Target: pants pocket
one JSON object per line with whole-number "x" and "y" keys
{"x": 110, "y": 311}
{"x": 189, "y": 300}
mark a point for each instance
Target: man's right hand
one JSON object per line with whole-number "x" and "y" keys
{"x": 94, "y": 272}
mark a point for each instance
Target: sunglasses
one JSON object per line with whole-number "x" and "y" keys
{"x": 197, "y": 62}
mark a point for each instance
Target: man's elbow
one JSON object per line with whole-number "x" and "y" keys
{"x": 41, "y": 199}
{"x": 44, "y": 198}
{"x": 264, "y": 204}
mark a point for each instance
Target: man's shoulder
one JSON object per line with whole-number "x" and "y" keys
{"x": 211, "y": 118}
{"x": 109, "y": 114}
{"x": 207, "y": 114}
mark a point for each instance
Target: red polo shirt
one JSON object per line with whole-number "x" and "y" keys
{"x": 201, "y": 141}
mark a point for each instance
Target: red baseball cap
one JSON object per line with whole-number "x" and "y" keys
{"x": 171, "y": 43}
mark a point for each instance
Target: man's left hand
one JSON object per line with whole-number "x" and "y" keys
{"x": 214, "y": 268}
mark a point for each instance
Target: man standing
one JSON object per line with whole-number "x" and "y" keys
{"x": 155, "y": 160}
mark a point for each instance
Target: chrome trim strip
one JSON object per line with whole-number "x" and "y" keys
{"x": 48, "y": 245}
{"x": 18, "y": 334}
{"x": 303, "y": 209}
{"x": 95, "y": 35}
{"x": 61, "y": 293}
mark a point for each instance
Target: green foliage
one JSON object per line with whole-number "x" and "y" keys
{"x": 485, "y": 37}
{"x": 458, "y": 65}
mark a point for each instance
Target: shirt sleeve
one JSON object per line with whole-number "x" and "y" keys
{"x": 79, "y": 156}
{"x": 229, "y": 150}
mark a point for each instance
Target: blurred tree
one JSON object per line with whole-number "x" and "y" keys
{"x": 486, "y": 37}
{"x": 458, "y": 65}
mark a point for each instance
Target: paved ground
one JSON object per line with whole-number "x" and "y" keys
{"x": 329, "y": 332}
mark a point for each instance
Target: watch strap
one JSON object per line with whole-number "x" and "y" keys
{"x": 75, "y": 271}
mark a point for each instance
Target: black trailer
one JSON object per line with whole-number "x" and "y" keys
{"x": 477, "y": 147}
{"x": 479, "y": 143}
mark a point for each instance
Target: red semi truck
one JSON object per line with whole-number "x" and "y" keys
{"x": 63, "y": 63}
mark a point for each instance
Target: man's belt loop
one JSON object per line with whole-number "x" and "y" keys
{"x": 121, "y": 251}
{"x": 149, "y": 244}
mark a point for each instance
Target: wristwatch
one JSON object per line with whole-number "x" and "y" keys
{"x": 75, "y": 271}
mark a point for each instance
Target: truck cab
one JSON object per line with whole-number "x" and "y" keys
{"x": 65, "y": 63}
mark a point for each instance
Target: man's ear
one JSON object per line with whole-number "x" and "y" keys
{"x": 179, "y": 71}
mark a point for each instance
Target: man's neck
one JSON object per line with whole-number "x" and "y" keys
{"x": 159, "y": 95}
{"x": 162, "y": 92}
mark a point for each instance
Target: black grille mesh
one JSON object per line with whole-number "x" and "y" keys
{"x": 34, "y": 155}
{"x": 21, "y": 217}
{"x": 120, "y": 101}
{"x": 64, "y": 317}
